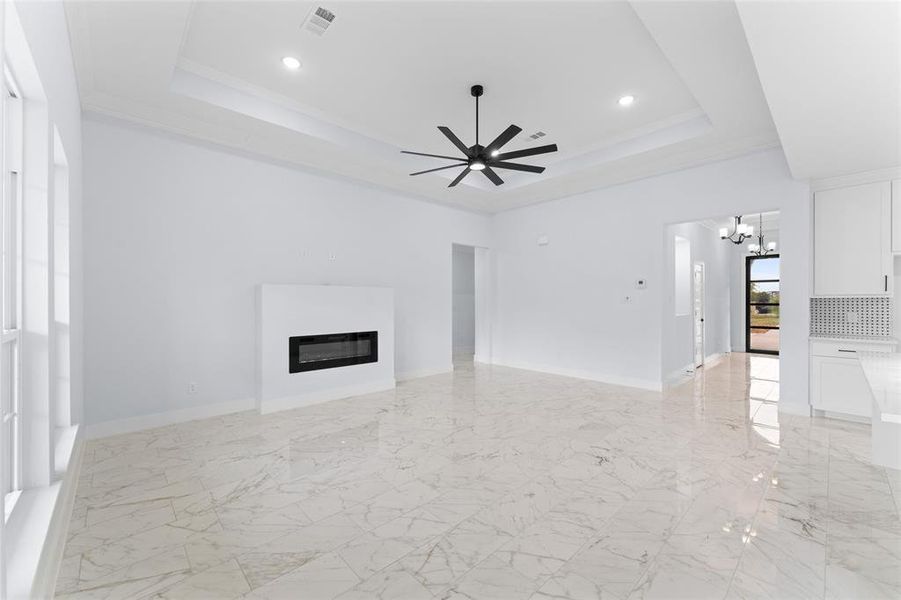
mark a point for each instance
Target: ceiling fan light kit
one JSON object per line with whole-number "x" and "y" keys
{"x": 485, "y": 158}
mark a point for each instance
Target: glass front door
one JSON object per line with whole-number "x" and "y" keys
{"x": 762, "y": 304}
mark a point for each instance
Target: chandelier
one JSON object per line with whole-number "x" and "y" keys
{"x": 741, "y": 232}
{"x": 761, "y": 249}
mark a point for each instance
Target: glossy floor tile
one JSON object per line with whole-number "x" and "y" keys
{"x": 494, "y": 483}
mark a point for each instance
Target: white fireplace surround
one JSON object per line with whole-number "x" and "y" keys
{"x": 284, "y": 311}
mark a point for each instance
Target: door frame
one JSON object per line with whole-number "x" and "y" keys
{"x": 483, "y": 299}
{"x": 748, "y": 261}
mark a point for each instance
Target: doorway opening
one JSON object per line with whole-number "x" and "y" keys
{"x": 762, "y": 304}
{"x": 470, "y": 305}
{"x": 463, "y": 304}
{"x": 722, "y": 292}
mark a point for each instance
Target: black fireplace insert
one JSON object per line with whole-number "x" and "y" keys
{"x": 330, "y": 350}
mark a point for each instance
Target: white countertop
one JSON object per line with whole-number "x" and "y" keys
{"x": 883, "y": 373}
{"x": 854, "y": 338}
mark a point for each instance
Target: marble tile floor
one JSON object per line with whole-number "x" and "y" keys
{"x": 494, "y": 483}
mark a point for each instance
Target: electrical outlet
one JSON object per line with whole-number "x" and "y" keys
{"x": 192, "y": 388}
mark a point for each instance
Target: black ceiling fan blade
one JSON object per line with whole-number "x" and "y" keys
{"x": 492, "y": 176}
{"x": 433, "y": 155}
{"x": 517, "y": 167}
{"x": 460, "y": 177}
{"x": 508, "y": 134}
{"x": 527, "y": 152}
{"x": 454, "y": 139}
{"x": 438, "y": 169}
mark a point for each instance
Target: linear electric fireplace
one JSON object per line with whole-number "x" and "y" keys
{"x": 330, "y": 350}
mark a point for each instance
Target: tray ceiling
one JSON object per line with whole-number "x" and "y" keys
{"x": 386, "y": 74}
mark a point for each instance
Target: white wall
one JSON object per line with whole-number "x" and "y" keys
{"x": 561, "y": 307}
{"x": 680, "y": 258}
{"x": 284, "y": 311}
{"x": 464, "y": 300}
{"x": 677, "y": 332}
{"x": 178, "y": 234}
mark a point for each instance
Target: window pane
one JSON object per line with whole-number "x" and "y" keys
{"x": 7, "y": 406}
{"x": 765, "y": 292}
{"x": 764, "y": 316}
{"x": 764, "y": 268}
{"x": 10, "y": 252}
{"x": 765, "y": 339}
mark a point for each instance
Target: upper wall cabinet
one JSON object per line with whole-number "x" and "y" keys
{"x": 896, "y": 216}
{"x": 853, "y": 241}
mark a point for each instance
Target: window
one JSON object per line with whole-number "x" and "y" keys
{"x": 10, "y": 297}
{"x": 762, "y": 306}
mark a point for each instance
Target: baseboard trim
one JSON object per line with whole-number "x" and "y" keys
{"x": 52, "y": 554}
{"x": 829, "y": 414}
{"x": 711, "y": 360}
{"x": 801, "y": 410}
{"x": 407, "y": 375}
{"x": 679, "y": 376}
{"x": 308, "y": 399}
{"x": 139, "y": 423}
{"x": 131, "y": 424}
{"x": 633, "y": 382}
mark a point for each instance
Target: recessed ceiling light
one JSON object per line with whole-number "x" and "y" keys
{"x": 291, "y": 63}
{"x": 495, "y": 152}
{"x": 626, "y": 100}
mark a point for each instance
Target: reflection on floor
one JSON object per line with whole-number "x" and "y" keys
{"x": 495, "y": 483}
{"x": 463, "y": 360}
{"x": 763, "y": 397}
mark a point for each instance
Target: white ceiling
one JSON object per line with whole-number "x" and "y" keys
{"x": 386, "y": 74}
{"x": 832, "y": 76}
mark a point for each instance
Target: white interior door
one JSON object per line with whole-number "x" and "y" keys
{"x": 698, "y": 313}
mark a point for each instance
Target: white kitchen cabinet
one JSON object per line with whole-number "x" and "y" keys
{"x": 837, "y": 382}
{"x": 837, "y": 385}
{"x": 853, "y": 241}
{"x": 896, "y": 216}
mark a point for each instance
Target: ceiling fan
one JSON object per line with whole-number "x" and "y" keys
{"x": 485, "y": 158}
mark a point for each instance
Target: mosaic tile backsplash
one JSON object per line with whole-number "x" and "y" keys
{"x": 864, "y": 317}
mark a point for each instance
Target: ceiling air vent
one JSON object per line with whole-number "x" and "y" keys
{"x": 536, "y": 135}
{"x": 319, "y": 20}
